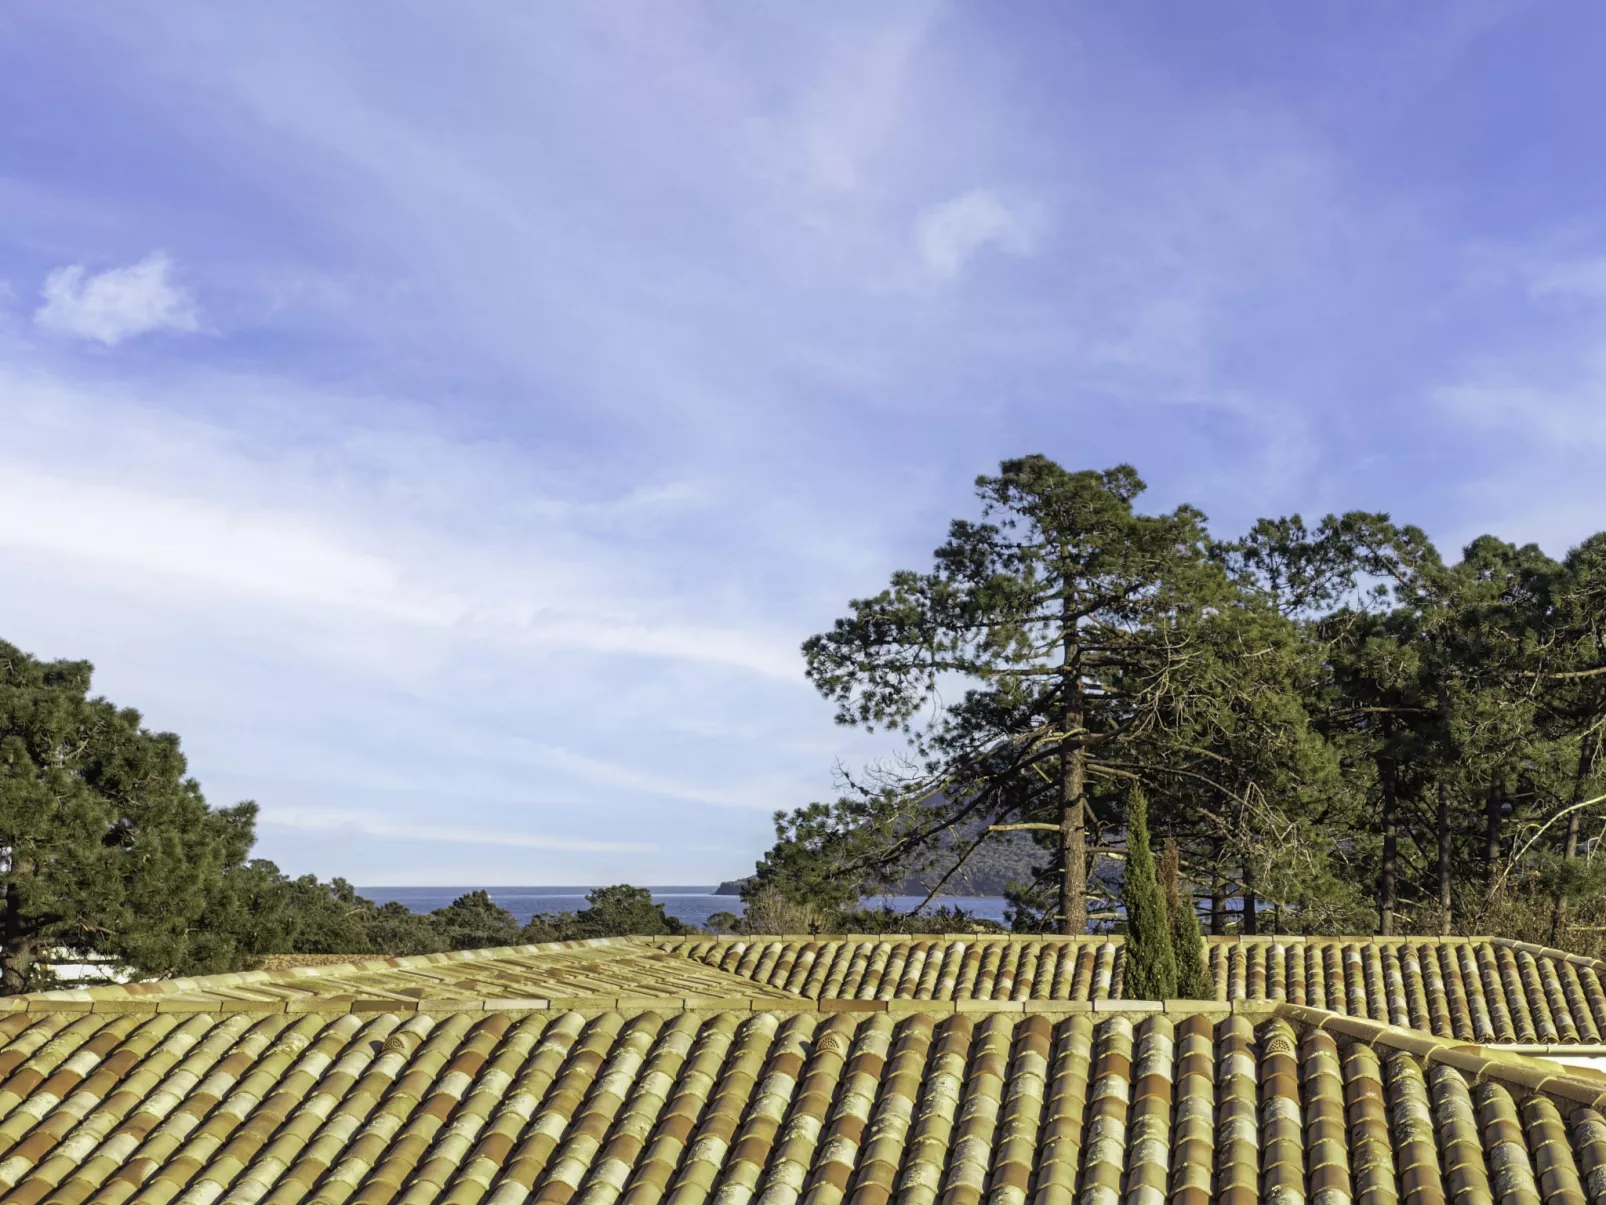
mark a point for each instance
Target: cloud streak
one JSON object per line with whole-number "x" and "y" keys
{"x": 332, "y": 820}
{"x": 117, "y": 304}
{"x": 567, "y": 366}
{"x": 951, "y": 234}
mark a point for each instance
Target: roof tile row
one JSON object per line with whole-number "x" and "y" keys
{"x": 1478, "y": 989}
{"x": 797, "y": 1108}
{"x": 597, "y": 969}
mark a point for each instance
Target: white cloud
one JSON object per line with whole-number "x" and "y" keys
{"x": 1582, "y": 278}
{"x": 326, "y": 537}
{"x": 1570, "y": 417}
{"x": 369, "y": 824}
{"x": 192, "y": 542}
{"x": 950, "y": 234}
{"x": 762, "y": 794}
{"x": 116, "y": 304}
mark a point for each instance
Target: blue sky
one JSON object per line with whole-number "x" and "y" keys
{"x": 451, "y": 418}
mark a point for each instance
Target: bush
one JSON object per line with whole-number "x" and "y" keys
{"x": 768, "y": 911}
{"x": 618, "y": 911}
{"x": 942, "y": 919}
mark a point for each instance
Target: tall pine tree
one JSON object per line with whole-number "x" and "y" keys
{"x": 1065, "y": 616}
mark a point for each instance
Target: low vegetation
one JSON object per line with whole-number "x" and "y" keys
{"x": 331, "y": 918}
{"x": 109, "y": 849}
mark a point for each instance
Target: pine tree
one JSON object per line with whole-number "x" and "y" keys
{"x": 1187, "y": 943}
{"x": 106, "y": 845}
{"x": 1068, "y": 615}
{"x": 1151, "y": 965}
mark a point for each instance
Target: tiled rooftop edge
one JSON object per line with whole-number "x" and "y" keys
{"x": 199, "y": 983}
{"x": 165, "y": 989}
{"x": 1580, "y": 1086}
{"x": 1284, "y": 939}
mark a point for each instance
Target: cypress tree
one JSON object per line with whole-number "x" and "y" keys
{"x": 1187, "y": 943}
{"x": 1151, "y": 965}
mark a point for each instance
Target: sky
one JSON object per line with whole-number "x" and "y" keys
{"x": 451, "y": 419}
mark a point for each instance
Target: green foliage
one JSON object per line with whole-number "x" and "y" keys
{"x": 1342, "y": 729}
{"x": 942, "y": 919}
{"x": 618, "y": 911}
{"x": 1337, "y": 729}
{"x": 1039, "y": 655}
{"x": 625, "y": 911}
{"x": 1187, "y": 943}
{"x": 767, "y": 910}
{"x": 108, "y": 845}
{"x": 1151, "y": 966}
{"x": 305, "y": 916}
{"x": 813, "y": 859}
{"x": 473, "y": 922}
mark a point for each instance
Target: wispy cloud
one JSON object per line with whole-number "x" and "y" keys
{"x": 574, "y": 363}
{"x": 952, "y": 233}
{"x": 116, "y": 304}
{"x": 1585, "y": 277}
{"x": 260, "y": 528}
{"x": 334, "y": 820}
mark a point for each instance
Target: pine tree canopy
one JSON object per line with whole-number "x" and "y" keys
{"x": 105, "y": 843}
{"x": 1041, "y": 652}
{"x": 1344, "y": 731}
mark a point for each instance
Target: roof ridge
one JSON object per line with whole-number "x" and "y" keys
{"x": 671, "y": 943}
{"x": 1528, "y": 947}
{"x": 1578, "y": 1085}
{"x": 191, "y": 983}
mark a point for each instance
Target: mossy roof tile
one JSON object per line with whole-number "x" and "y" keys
{"x": 1482, "y": 989}
{"x": 651, "y": 1105}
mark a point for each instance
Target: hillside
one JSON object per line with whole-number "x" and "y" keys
{"x": 1002, "y": 859}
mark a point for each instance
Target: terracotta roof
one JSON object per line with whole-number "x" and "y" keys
{"x": 602, "y": 968}
{"x": 284, "y": 962}
{"x": 1484, "y": 989}
{"x": 1104, "y": 1104}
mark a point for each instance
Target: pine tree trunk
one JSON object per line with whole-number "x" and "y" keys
{"x": 1558, "y": 911}
{"x": 1441, "y": 821}
{"x": 1442, "y": 831}
{"x": 16, "y": 947}
{"x": 1251, "y": 924}
{"x": 15, "y": 962}
{"x": 1073, "y": 787}
{"x": 1575, "y": 819}
{"x": 1492, "y": 807}
{"x": 1388, "y": 891}
{"x": 1218, "y": 892}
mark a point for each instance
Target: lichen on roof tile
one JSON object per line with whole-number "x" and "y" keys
{"x": 649, "y": 1107}
{"x": 1487, "y": 990}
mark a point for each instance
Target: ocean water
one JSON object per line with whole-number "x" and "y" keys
{"x": 694, "y": 905}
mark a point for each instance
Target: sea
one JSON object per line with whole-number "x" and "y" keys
{"x": 693, "y": 905}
